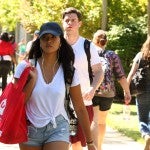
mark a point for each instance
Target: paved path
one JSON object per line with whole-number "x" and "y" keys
{"x": 116, "y": 141}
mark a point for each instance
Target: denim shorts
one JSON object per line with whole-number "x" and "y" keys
{"x": 46, "y": 134}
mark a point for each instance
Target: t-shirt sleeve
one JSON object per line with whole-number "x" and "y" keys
{"x": 19, "y": 69}
{"x": 137, "y": 57}
{"x": 95, "y": 59}
{"x": 117, "y": 66}
{"x": 75, "y": 80}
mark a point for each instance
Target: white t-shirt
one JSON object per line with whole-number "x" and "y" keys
{"x": 138, "y": 57}
{"x": 81, "y": 64}
{"x": 47, "y": 100}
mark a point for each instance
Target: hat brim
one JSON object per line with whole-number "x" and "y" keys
{"x": 49, "y": 32}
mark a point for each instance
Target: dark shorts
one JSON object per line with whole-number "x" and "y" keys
{"x": 104, "y": 103}
{"x": 80, "y": 135}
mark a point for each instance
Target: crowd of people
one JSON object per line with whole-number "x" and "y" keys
{"x": 59, "y": 61}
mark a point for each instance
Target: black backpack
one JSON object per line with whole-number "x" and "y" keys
{"x": 141, "y": 79}
{"x": 88, "y": 54}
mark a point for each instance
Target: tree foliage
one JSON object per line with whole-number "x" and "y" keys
{"x": 123, "y": 11}
{"x": 127, "y": 39}
{"x": 32, "y": 13}
{"x": 9, "y": 14}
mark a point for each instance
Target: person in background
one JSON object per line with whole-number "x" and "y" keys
{"x": 6, "y": 57}
{"x": 72, "y": 21}
{"x": 102, "y": 102}
{"x": 143, "y": 99}
{"x": 29, "y": 44}
{"x": 48, "y": 122}
{"x": 15, "y": 48}
{"x": 21, "y": 49}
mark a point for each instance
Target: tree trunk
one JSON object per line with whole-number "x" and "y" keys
{"x": 148, "y": 12}
{"x": 104, "y": 15}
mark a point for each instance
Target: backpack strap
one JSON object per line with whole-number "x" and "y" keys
{"x": 33, "y": 61}
{"x": 102, "y": 54}
{"x": 88, "y": 54}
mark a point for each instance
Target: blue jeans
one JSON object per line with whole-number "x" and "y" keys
{"x": 143, "y": 110}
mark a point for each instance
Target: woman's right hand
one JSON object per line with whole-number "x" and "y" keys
{"x": 30, "y": 83}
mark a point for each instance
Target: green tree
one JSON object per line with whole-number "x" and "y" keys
{"x": 9, "y": 10}
{"x": 104, "y": 14}
{"x": 32, "y": 13}
{"x": 122, "y": 11}
{"x": 148, "y": 12}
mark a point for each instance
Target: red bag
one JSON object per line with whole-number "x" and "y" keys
{"x": 13, "y": 125}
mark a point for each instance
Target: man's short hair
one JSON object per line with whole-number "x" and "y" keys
{"x": 72, "y": 10}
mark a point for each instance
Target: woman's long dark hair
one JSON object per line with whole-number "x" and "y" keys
{"x": 66, "y": 57}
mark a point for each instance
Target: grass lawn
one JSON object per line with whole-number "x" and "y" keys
{"x": 126, "y": 127}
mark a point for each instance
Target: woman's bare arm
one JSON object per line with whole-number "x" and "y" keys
{"x": 30, "y": 83}
{"x": 80, "y": 109}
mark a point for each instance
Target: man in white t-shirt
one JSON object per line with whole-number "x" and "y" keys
{"x": 71, "y": 24}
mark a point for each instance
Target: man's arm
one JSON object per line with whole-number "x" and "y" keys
{"x": 97, "y": 79}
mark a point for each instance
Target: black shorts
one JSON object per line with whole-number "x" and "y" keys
{"x": 104, "y": 103}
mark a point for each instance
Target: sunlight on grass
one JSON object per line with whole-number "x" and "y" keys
{"x": 126, "y": 127}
